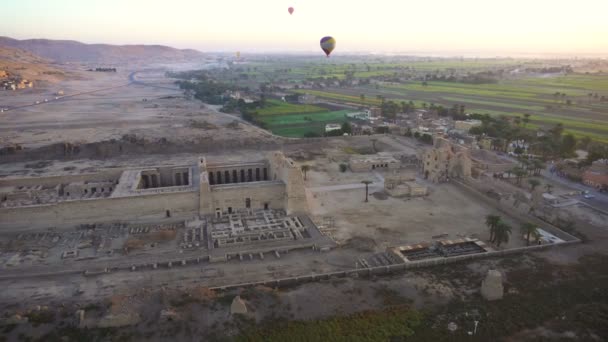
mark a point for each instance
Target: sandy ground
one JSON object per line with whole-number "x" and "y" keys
{"x": 106, "y": 106}
{"x": 393, "y": 221}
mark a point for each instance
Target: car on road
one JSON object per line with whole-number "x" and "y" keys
{"x": 46, "y": 100}
{"x": 588, "y": 196}
{"x": 37, "y": 102}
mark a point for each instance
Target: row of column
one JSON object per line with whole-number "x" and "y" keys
{"x": 238, "y": 176}
{"x": 377, "y": 166}
{"x": 150, "y": 181}
{"x": 181, "y": 178}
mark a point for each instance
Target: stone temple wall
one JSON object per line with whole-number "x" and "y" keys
{"x": 69, "y": 213}
{"x": 287, "y": 171}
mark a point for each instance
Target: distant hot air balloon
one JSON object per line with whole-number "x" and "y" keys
{"x": 328, "y": 44}
{"x": 290, "y": 10}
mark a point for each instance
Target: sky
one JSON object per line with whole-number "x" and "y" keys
{"x": 459, "y": 27}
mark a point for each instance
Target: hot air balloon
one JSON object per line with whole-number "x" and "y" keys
{"x": 328, "y": 44}
{"x": 290, "y": 10}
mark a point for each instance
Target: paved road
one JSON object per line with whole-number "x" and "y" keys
{"x": 600, "y": 200}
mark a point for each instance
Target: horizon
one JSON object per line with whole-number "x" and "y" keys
{"x": 412, "y": 53}
{"x": 469, "y": 28}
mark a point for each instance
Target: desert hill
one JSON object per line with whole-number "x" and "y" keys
{"x": 72, "y": 51}
{"x": 26, "y": 65}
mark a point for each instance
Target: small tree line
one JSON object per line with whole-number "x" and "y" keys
{"x": 500, "y": 231}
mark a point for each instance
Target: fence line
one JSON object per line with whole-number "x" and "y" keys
{"x": 390, "y": 269}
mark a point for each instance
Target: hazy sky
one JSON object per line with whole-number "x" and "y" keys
{"x": 448, "y": 26}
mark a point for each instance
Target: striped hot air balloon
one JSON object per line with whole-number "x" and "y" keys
{"x": 328, "y": 45}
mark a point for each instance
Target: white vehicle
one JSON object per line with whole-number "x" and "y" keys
{"x": 46, "y": 100}
{"x": 37, "y": 102}
{"x": 56, "y": 98}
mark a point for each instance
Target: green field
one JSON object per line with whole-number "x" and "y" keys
{"x": 296, "y": 125}
{"x": 516, "y": 87}
{"x": 533, "y": 96}
{"x": 276, "y": 107}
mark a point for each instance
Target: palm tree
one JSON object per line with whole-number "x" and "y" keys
{"x": 533, "y": 183}
{"x": 519, "y": 173}
{"x": 529, "y": 229}
{"x": 502, "y": 233}
{"x": 492, "y": 221}
{"x": 305, "y": 169}
{"x": 367, "y": 183}
{"x": 538, "y": 166}
{"x": 517, "y": 120}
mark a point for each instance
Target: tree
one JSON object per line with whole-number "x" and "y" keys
{"x": 305, "y": 169}
{"x": 519, "y": 173}
{"x": 362, "y": 97}
{"x": 347, "y": 128}
{"x": 526, "y": 119}
{"x": 568, "y": 145}
{"x": 492, "y": 221}
{"x": 502, "y": 233}
{"x": 584, "y": 142}
{"x": 367, "y": 183}
{"x": 548, "y": 187}
{"x": 529, "y": 230}
{"x": 556, "y": 131}
{"x": 537, "y": 166}
{"x": 427, "y": 139}
{"x": 556, "y": 95}
{"x": 517, "y": 120}
{"x": 343, "y": 167}
{"x": 533, "y": 183}
{"x": 596, "y": 151}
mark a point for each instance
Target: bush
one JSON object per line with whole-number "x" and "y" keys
{"x": 343, "y": 167}
{"x": 311, "y": 134}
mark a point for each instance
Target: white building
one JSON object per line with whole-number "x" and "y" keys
{"x": 332, "y": 127}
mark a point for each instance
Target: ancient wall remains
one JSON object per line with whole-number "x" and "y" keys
{"x": 68, "y": 213}
{"x": 373, "y": 163}
{"x": 287, "y": 171}
{"x": 238, "y": 197}
{"x": 446, "y": 160}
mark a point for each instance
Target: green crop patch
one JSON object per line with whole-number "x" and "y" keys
{"x": 275, "y": 107}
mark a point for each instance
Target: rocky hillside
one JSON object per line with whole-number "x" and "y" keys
{"x": 73, "y": 51}
{"x": 26, "y": 65}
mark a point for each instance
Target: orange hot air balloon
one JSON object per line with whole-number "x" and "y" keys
{"x": 290, "y": 10}
{"x": 328, "y": 44}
